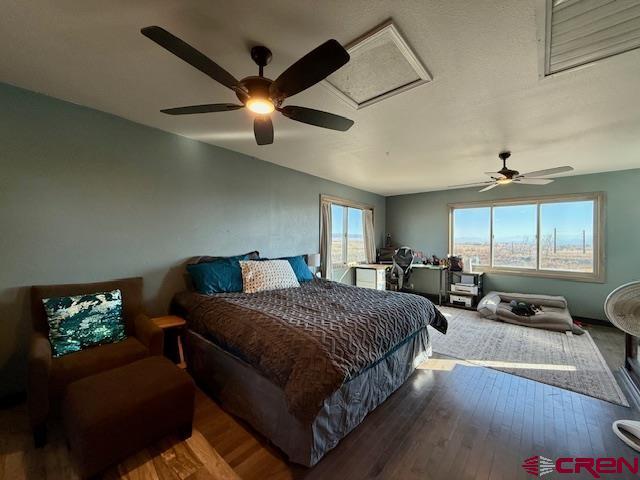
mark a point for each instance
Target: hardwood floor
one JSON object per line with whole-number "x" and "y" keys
{"x": 449, "y": 421}
{"x": 169, "y": 458}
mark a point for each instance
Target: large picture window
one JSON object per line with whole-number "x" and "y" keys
{"x": 546, "y": 236}
{"x": 514, "y": 236}
{"x": 472, "y": 227}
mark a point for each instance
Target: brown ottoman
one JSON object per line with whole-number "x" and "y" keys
{"x": 113, "y": 414}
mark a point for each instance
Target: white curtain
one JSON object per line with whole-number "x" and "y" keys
{"x": 325, "y": 240}
{"x": 369, "y": 235}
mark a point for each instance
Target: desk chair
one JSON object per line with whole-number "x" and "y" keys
{"x": 401, "y": 269}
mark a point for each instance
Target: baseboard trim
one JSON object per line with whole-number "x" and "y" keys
{"x": 593, "y": 321}
{"x": 630, "y": 388}
{"x": 588, "y": 321}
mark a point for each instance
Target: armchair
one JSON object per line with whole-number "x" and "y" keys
{"x": 48, "y": 377}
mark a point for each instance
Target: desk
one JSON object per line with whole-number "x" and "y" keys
{"x": 427, "y": 266}
{"x": 371, "y": 275}
{"x": 441, "y": 277}
{"x": 374, "y": 266}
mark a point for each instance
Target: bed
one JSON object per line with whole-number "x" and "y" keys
{"x": 305, "y": 365}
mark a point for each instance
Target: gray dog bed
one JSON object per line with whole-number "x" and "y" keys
{"x": 554, "y": 314}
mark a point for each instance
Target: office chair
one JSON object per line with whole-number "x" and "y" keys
{"x": 401, "y": 269}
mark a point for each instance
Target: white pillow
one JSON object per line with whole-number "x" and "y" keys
{"x": 488, "y": 306}
{"x": 267, "y": 275}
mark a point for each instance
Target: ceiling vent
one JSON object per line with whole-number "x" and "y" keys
{"x": 381, "y": 65}
{"x": 573, "y": 33}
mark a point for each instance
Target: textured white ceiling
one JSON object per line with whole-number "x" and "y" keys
{"x": 486, "y": 94}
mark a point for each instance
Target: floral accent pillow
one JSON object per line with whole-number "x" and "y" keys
{"x": 82, "y": 321}
{"x": 259, "y": 276}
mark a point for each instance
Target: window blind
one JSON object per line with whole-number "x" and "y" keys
{"x": 583, "y": 31}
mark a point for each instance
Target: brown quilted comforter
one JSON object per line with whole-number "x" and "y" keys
{"x": 312, "y": 339}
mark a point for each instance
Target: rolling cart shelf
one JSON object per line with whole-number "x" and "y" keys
{"x": 455, "y": 305}
{"x": 468, "y": 279}
{"x": 462, "y": 294}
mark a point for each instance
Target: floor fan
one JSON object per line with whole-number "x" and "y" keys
{"x": 622, "y": 307}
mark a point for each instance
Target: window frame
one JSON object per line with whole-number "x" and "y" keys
{"x": 345, "y": 203}
{"x": 598, "y": 199}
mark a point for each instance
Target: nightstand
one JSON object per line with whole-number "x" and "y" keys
{"x": 173, "y": 328}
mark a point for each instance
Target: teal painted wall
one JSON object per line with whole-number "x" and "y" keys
{"x": 421, "y": 221}
{"x": 87, "y": 196}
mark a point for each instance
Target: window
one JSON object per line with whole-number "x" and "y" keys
{"x": 566, "y": 236}
{"x": 546, "y": 236}
{"x": 355, "y": 237}
{"x": 338, "y": 251}
{"x": 472, "y": 234}
{"x": 514, "y": 236}
{"x": 347, "y": 235}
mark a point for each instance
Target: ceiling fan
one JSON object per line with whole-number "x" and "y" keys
{"x": 259, "y": 94}
{"x": 508, "y": 176}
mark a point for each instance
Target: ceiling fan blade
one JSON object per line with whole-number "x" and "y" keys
{"x": 263, "y": 129}
{"x": 489, "y": 187}
{"x": 207, "y": 108}
{"x": 314, "y": 67}
{"x": 317, "y": 117}
{"x": 190, "y": 55}
{"x": 548, "y": 171}
{"x": 476, "y": 184}
{"x": 533, "y": 181}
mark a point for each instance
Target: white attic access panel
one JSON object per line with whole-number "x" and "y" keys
{"x": 382, "y": 65}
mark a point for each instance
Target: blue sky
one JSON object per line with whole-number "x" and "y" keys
{"x": 518, "y": 221}
{"x": 354, "y": 216}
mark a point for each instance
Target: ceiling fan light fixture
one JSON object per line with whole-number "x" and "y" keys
{"x": 260, "y": 94}
{"x": 508, "y": 176}
{"x": 261, "y": 106}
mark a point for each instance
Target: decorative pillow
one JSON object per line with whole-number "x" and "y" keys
{"x": 219, "y": 276}
{"x": 188, "y": 280}
{"x": 259, "y": 276}
{"x": 81, "y": 321}
{"x": 300, "y": 268}
{"x": 488, "y": 306}
{"x": 255, "y": 255}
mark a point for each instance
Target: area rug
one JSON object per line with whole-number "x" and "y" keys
{"x": 572, "y": 362}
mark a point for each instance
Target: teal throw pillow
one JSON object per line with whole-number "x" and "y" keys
{"x": 219, "y": 276}
{"x": 300, "y": 268}
{"x": 82, "y": 321}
